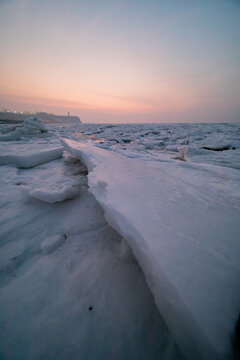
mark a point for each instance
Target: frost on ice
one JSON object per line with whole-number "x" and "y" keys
{"x": 184, "y": 232}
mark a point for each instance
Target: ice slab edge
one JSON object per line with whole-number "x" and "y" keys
{"x": 33, "y": 159}
{"x": 200, "y": 320}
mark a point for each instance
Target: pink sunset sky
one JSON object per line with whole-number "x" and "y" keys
{"x": 122, "y": 61}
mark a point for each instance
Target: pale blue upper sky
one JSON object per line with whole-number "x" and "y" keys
{"x": 138, "y": 60}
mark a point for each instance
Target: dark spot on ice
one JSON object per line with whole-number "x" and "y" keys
{"x": 90, "y": 308}
{"x": 179, "y": 158}
{"x": 217, "y": 148}
{"x": 83, "y": 172}
{"x": 20, "y": 183}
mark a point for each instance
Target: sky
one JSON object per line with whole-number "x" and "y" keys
{"x": 122, "y": 60}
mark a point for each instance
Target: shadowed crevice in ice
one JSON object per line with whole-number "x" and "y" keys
{"x": 219, "y": 148}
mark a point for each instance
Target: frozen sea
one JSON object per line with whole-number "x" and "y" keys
{"x": 119, "y": 241}
{"x": 159, "y": 142}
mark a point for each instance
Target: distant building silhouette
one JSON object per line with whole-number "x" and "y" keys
{"x": 58, "y": 118}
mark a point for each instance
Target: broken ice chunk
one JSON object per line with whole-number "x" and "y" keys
{"x": 51, "y": 243}
{"x": 32, "y": 159}
{"x": 56, "y": 195}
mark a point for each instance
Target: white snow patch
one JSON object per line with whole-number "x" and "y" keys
{"x": 182, "y": 153}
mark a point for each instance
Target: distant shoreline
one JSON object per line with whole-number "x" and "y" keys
{"x": 12, "y": 117}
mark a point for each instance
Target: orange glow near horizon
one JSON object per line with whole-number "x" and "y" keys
{"x": 100, "y": 102}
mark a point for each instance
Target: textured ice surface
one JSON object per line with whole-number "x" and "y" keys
{"x": 31, "y": 127}
{"x": 182, "y": 222}
{"x": 150, "y": 141}
{"x": 31, "y": 159}
{"x": 88, "y": 298}
{"x": 51, "y": 196}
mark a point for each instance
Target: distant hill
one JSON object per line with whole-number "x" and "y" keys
{"x": 58, "y": 118}
{"x": 12, "y": 117}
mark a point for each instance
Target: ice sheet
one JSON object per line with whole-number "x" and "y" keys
{"x": 31, "y": 159}
{"x": 69, "y": 286}
{"x": 161, "y": 141}
{"x": 182, "y": 223}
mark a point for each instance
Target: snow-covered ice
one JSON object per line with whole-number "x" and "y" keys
{"x": 83, "y": 300}
{"x": 53, "y": 196}
{"x": 30, "y": 127}
{"x": 158, "y": 280}
{"x": 87, "y": 297}
{"x": 31, "y": 159}
{"x": 184, "y": 236}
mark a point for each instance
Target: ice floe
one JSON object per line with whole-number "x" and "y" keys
{"x": 184, "y": 234}
{"x": 89, "y": 298}
{"x": 86, "y": 300}
{"x": 32, "y": 158}
{"x": 52, "y": 196}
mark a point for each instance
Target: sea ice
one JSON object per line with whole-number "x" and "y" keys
{"x": 33, "y": 126}
{"x": 182, "y": 223}
{"x": 31, "y": 159}
{"x": 66, "y": 192}
{"x": 89, "y": 299}
{"x": 84, "y": 301}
